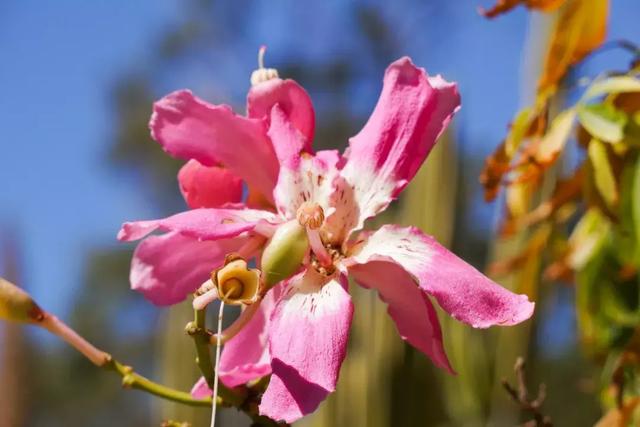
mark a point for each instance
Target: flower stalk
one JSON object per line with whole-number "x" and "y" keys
{"x": 133, "y": 380}
{"x": 201, "y": 337}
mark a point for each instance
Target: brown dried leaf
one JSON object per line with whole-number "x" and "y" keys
{"x": 496, "y": 166}
{"x": 503, "y": 6}
{"x": 527, "y": 122}
{"x": 565, "y": 191}
{"x": 581, "y": 27}
{"x": 533, "y": 249}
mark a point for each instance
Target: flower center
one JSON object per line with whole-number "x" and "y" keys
{"x": 232, "y": 288}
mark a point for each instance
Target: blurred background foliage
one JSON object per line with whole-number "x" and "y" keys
{"x": 567, "y": 178}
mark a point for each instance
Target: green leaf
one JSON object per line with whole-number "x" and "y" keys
{"x": 556, "y": 138}
{"x": 635, "y": 201}
{"x": 603, "y": 121}
{"x": 603, "y": 173}
{"x": 587, "y": 238}
{"x": 612, "y": 85}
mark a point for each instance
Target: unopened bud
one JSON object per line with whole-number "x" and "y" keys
{"x": 16, "y": 305}
{"x": 284, "y": 253}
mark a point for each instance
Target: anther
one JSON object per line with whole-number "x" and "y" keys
{"x": 310, "y": 215}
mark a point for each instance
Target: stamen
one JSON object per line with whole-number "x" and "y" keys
{"x": 262, "y": 74}
{"x": 315, "y": 241}
{"x": 311, "y": 216}
{"x": 261, "y": 52}
{"x": 217, "y": 367}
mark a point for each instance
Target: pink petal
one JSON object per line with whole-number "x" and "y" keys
{"x": 208, "y": 186}
{"x": 308, "y": 342}
{"x": 292, "y": 99}
{"x": 167, "y": 268}
{"x": 413, "y": 110}
{"x": 461, "y": 290}
{"x": 409, "y": 306}
{"x": 201, "y": 389}
{"x": 189, "y": 128}
{"x": 246, "y": 356}
{"x": 204, "y": 224}
{"x": 303, "y": 177}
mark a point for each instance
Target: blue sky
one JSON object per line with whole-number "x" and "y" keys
{"x": 60, "y": 59}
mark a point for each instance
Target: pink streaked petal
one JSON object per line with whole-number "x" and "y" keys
{"x": 208, "y": 186}
{"x": 190, "y": 128}
{"x": 409, "y": 307}
{"x": 292, "y": 99}
{"x": 413, "y": 110}
{"x": 203, "y": 224}
{"x": 200, "y": 389}
{"x": 461, "y": 290}
{"x": 167, "y": 268}
{"x": 307, "y": 340}
{"x": 246, "y": 356}
{"x": 303, "y": 177}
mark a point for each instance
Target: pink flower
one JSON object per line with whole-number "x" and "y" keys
{"x": 300, "y": 332}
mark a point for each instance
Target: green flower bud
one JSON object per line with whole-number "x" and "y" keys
{"x": 16, "y": 305}
{"x": 284, "y": 253}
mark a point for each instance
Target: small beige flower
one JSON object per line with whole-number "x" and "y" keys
{"x": 235, "y": 282}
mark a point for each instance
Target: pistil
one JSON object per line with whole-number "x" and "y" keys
{"x": 311, "y": 216}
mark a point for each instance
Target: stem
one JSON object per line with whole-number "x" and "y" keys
{"x": 59, "y": 328}
{"x": 197, "y": 329}
{"x": 131, "y": 379}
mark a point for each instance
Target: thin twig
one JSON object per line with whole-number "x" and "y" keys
{"x": 521, "y": 397}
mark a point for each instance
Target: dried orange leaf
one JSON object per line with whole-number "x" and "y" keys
{"x": 495, "y": 166}
{"x": 619, "y": 417}
{"x": 503, "y": 6}
{"x": 580, "y": 28}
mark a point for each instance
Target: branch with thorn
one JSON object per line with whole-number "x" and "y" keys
{"x": 520, "y": 395}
